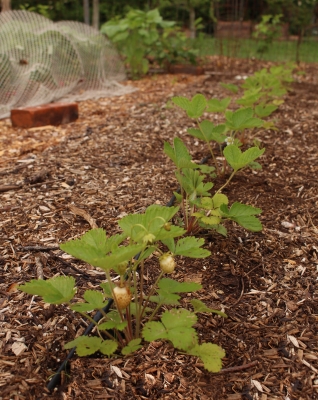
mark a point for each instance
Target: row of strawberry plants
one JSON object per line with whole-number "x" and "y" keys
{"x": 167, "y": 233}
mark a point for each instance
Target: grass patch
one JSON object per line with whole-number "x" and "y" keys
{"x": 280, "y": 51}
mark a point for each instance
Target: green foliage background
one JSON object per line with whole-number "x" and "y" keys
{"x": 297, "y": 13}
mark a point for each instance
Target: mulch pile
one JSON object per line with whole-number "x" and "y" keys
{"x": 57, "y": 182}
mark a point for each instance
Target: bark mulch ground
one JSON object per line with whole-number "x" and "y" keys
{"x": 57, "y": 182}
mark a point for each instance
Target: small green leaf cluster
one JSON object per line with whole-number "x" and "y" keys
{"x": 199, "y": 208}
{"x": 265, "y": 88}
{"x": 134, "y": 36}
{"x": 136, "y": 315}
{"x": 144, "y": 35}
{"x": 262, "y": 94}
{"x": 174, "y": 48}
{"x": 231, "y": 131}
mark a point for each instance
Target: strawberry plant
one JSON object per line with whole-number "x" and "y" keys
{"x": 141, "y": 312}
{"x": 264, "y": 89}
{"x": 236, "y": 122}
{"x": 262, "y": 94}
{"x": 199, "y": 208}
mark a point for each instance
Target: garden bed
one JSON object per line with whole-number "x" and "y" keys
{"x": 111, "y": 162}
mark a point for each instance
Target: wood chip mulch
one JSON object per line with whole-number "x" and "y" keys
{"x": 58, "y": 182}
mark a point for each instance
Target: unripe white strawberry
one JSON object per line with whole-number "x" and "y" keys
{"x": 122, "y": 296}
{"x": 167, "y": 263}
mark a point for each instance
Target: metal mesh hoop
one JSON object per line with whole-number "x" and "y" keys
{"x": 42, "y": 61}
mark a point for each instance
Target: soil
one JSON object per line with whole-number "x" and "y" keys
{"x": 58, "y": 182}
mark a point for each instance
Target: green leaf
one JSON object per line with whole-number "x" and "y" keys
{"x": 176, "y": 326}
{"x": 56, "y": 290}
{"x": 131, "y": 347}
{"x": 165, "y": 297}
{"x": 229, "y": 86}
{"x": 113, "y": 322}
{"x": 242, "y": 119}
{"x": 118, "y": 325}
{"x": 249, "y": 100}
{"x": 232, "y": 154}
{"x": 211, "y": 220}
{"x": 242, "y": 210}
{"x": 263, "y": 111}
{"x": 95, "y": 298}
{"x": 86, "y": 346}
{"x": 243, "y": 215}
{"x": 181, "y": 102}
{"x": 237, "y": 159}
{"x": 218, "y": 133}
{"x": 255, "y": 165}
{"x": 122, "y": 254}
{"x": 278, "y": 102}
{"x": 183, "y": 337}
{"x": 108, "y": 347}
{"x": 178, "y": 323}
{"x": 175, "y": 231}
{"x": 171, "y": 286}
{"x": 82, "y": 307}
{"x": 94, "y": 245}
{"x": 270, "y": 125}
{"x": 190, "y": 246}
{"x": 194, "y": 107}
{"x": 211, "y": 355}
{"x": 200, "y": 307}
{"x": 218, "y": 199}
{"x": 112, "y": 30}
{"x": 179, "y": 154}
{"x": 178, "y": 197}
{"x": 170, "y": 244}
{"x": 154, "y": 330}
{"x": 277, "y": 92}
{"x": 192, "y": 183}
{"x": 175, "y": 318}
{"x": 207, "y": 169}
{"x": 107, "y": 288}
{"x": 95, "y": 240}
{"x": 221, "y": 230}
{"x": 196, "y": 133}
{"x": 211, "y": 132}
{"x": 215, "y": 105}
{"x": 141, "y": 227}
{"x": 251, "y": 223}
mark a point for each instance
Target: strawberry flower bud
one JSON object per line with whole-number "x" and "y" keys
{"x": 122, "y": 267}
{"x": 149, "y": 238}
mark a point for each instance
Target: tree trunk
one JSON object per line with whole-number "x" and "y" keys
{"x": 192, "y": 22}
{"x": 86, "y": 11}
{"x": 96, "y": 14}
{"x": 5, "y": 5}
